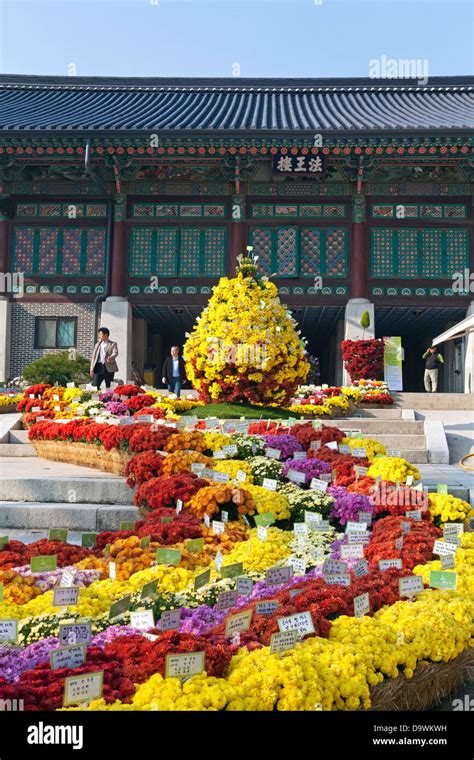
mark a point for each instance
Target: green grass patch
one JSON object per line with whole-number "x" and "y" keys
{"x": 234, "y": 411}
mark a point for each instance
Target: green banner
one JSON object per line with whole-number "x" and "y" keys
{"x": 392, "y": 363}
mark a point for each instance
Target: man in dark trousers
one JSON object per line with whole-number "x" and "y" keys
{"x": 103, "y": 364}
{"x": 433, "y": 359}
{"x": 174, "y": 374}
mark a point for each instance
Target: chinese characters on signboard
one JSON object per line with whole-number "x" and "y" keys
{"x": 299, "y": 163}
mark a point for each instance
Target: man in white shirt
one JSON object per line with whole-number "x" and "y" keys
{"x": 103, "y": 361}
{"x": 174, "y": 374}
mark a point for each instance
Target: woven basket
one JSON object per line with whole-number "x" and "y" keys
{"x": 431, "y": 683}
{"x": 85, "y": 454}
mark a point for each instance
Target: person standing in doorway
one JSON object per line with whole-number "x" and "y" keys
{"x": 174, "y": 374}
{"x": 433, "y": 359}
{"x": 103, "y": 362}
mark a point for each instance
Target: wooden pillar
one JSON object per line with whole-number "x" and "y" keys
{"x": 238, "y": 234}
{"x": 4, "y": 257}
{"x": 358, "y": 262}
{"x": 118, "y": 285}
{"x": 5, "y": 302}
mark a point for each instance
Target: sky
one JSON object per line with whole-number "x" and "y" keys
{"x": 227, "y": 38}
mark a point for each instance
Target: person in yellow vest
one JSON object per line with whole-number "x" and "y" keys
{"x": 433, "y": 359}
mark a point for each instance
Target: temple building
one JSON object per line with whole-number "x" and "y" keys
{"x": 123, "y": 201}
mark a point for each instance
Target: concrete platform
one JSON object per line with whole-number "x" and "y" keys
{"x": 82, "y": 517}
{"x": 16, "y": 450}
{"x": 448, "y": 401}
{"x": 27, "y": 479}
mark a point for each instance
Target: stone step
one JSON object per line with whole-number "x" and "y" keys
{"x": 9, "y": 422}
{"x": 451, "y": 401}
{"x": 73, "y": 491}
{"x": 83, "y": 517}
{"x": 414, "y": 456}
{"x": 375, "y": 427}
{"x": 395, "y": 441}
{"x": 17, "y": 450}
{"x": 388, "y": 413}
{"x": 18, "y": 436}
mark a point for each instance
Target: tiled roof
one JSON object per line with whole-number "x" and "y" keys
{"x": 230, "y": 105}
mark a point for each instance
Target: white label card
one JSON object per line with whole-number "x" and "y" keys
{"x": 8, "y": 630}
{"x": 270, "y": 484}
{"x": 170, "y": 620}
{"x": 361, "y": 568}
{"x": 296, "y": 477}
{"x": 352, "y": 551}
{"x": 343, "y": 579}
{"x": 64, "y": 596}
{"x": 276, "y": 575}
{"x": 184, "y": 665}
{"x": 83, "y": 688}
{"x": 75, "y": 633}
{"x": 273, "y": 453}
{"x": 283, "y": 640}
{"x": 142, "y": 619}
{"x": 411, "y": 585}
{"x": 301, "y": 622}
{"x": 361, "y": 605}
{"x": 262, "y": 532}
{"x": 334, "y": 566}
{"x": 244, "y": 585}
{"x": 318, "y": 485}
{"x": 443, "y": 547}
{"x": 68, "y": 657}
{"x": 385, "y": 564}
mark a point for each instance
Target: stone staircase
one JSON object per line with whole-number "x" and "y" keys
{"x": 446, "y": 401}
{"x": 13, "y": 439}
{"x": 395, "y": 428}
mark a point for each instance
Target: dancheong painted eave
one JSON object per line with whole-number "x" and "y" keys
{"x": 358, "y": 106}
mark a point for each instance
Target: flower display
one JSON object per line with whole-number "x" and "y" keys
{"x": 213, "y": 499}
{"x": 372, "y": 447}
{"x": 337, "y": 666}
{"x": 128, "y": 390}
{"x": 312, "y": 468}
{"x": 146, "y": 439}
{"x": 232, "y": 467}
{"x": 417, "y": 543}
{"x": 447, "y": 508}
{"x": 245, "y": 346}
{"x": 286, "y": 444}
{"x": 363, "y": 358}
{"x": 269, "y": 501}
{"x": 248, "y": 446}
{"x": 301, "y": 501}
{"x": 393, "y": 469}
{"x": 347, "y": 506}
{"x": 178, "y": 462}
{"x": 262, "y": 467}
{"x": 160, "y": 492}
{"x": 215, "y": 441}
{"x": 259, "y": 555}
{"x": 143, "y": 467}
{"x": 194, "y": 441}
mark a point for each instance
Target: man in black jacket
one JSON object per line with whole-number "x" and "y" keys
{"x": 173, "y": 373}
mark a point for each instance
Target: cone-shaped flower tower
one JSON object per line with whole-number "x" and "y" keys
{"x": 244, "y": 346}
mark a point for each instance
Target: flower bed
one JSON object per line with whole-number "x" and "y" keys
{"x": 344, "y": 661}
